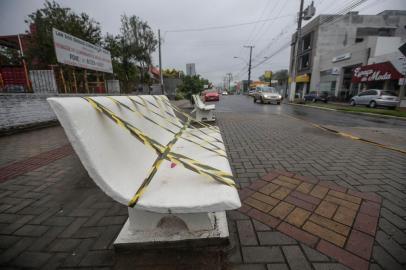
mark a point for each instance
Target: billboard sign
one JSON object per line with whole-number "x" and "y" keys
{"x": 76, "y": 52}
{"x": 268, "y": 75}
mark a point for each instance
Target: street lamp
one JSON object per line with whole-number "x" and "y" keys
{"x": 242, "y": 59}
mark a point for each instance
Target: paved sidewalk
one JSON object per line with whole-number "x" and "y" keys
{"x": 259, "y": 144}
{"x": 54, "y": 216}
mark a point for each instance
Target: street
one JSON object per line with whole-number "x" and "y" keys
{"x": 53, "y": 215}
{"x": 386, "y": 131}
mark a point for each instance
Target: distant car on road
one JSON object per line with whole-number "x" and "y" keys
{"x": 375, "y": 97}
{"x": 225, "y": 93}
{"x": 251, "y": 92}
{"x": 211, "y": 95}
{"x": 267, "y": 94}
{"x": 315, "y": 96}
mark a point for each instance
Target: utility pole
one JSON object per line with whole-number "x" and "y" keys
{"x": 161, "y": 79}
{"x": 249, "y": 64}
{"x": 296, "y": 54}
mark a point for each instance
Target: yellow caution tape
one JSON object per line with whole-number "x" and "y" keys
{"x": 170, "y": 120}
{"x": 217, "y": 149}
{"x": 155, "y": 166}
{"x": 175, "y": 108}
{"x": 186, "y": 162}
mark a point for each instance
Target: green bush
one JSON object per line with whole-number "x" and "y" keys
{"x": 179, "y": 95}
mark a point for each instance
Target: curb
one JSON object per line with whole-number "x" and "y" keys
{"x": 360, "y": 113}
{"x": 27, "y": 127}
{"x": 349, "y": 136}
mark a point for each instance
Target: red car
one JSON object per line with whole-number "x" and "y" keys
{"x": 211, "y": 96}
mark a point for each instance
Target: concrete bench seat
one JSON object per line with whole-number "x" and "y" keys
{"x": 119, "y": 163}
{"x": 203, "y": 111}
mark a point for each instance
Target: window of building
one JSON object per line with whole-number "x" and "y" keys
{"x": 375, "y": 31}
{"x": 307, "y": 42}
{"x": 358, "y": 40}
{"x": 305, "y": 61}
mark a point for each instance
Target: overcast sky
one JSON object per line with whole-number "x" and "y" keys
{"x": 211, "y": 50}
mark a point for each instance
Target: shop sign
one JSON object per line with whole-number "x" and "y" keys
{"x": 341, "y": 57}
{"x": 268, "y": 75}
{"x": 303, "y": 78}
{"x": 375, "y": 72}
{"x": 335, "y": 71}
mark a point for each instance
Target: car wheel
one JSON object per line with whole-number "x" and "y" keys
{"x": 352, "y": 103}
{"x": 255, "y": 100}
{"x": 262, "y": 100}
{"x": 372, "y": 104}
{"x": 278, "y": 103}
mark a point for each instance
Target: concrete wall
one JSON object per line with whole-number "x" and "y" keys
{"x": 24, "y": 110}
{"x": 19, "y": 111}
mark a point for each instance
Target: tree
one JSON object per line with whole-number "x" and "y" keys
{"x": 42, "y": 21}
{"x": 192, "y": 85}
{"x": 172, "y": 73}
{"x": 281, "y": 75}
{"x": 131, "y": 50}
{"x": 9, "y": 56}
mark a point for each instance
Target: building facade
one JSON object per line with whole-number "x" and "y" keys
{"x": 332, "y": 47}
{"x": 190, "y": 69}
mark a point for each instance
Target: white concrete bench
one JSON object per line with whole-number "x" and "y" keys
{"x": 179, "y": 202}
{"x": 203, "y": 111}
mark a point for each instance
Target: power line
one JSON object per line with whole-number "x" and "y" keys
{"x": 329, "y": 19}
{"x": 226, "y": 26}
{"x": 284, "y": 31}
{"x": 256, "y": 26}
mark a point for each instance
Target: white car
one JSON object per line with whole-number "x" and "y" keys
{"x": 267, "y": 94}
{"x": 375, "y": 97}
{"x": 224, "y": 93}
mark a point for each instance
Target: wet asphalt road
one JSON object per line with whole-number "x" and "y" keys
{"x": 386, "y": 131}
{"x": 239, "y": 103}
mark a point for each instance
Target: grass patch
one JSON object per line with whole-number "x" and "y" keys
{"x": 361, "y": 109}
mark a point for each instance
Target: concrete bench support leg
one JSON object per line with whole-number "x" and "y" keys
{"x": 207, "y": 115}
{"x": 145, "y": 229}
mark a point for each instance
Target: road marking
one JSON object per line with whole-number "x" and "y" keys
{"x": 349, "y": 136}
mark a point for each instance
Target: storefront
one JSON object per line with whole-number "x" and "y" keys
{"x": 377, "y": 76}
{"x": 328, "y": 81}
{"x": 302, "y": 84}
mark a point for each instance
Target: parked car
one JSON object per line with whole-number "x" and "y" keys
{"x": 225, "y": 93}
{"x": 212, "y": 95}
{"x": 251, "y": 92}
{"x": 375, "y": 97}
{"x": 315, "y": 96}
{"x": 267, "y": 94}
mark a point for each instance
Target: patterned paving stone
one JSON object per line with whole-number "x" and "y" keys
{"x": 17, "y": 168}
{"x": 343, "y": 223}
{"x": 257, "y": 145}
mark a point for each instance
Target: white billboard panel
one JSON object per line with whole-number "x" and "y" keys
{"x": 76, "y": 52}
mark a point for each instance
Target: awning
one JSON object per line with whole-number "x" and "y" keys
{"x": 376, "y": 72}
